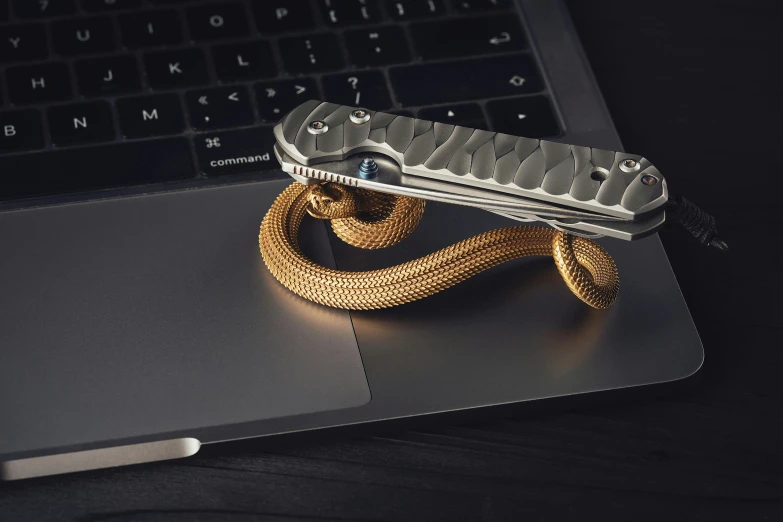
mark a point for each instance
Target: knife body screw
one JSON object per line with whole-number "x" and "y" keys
{"x": 629, "y": 165}
{"x": 317, "y": 127}
{"x": 360, "y": 116}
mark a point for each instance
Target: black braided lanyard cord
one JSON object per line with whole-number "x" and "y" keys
{"x": 700, "y": 224}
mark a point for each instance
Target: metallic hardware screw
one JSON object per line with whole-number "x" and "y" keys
{"x": 317, "y": 127}
{"x": 629, "y": 165}
{"x": 360, "y": 116}
{"x": 368, "y": 168}
{"x": 649, "y": 180}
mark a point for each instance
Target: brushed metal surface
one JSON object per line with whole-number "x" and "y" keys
{"x": 529, "y": 341}
{"x": 155, "y": 314}
{"x": 98, "y": 458}
{"x": 513, "y": 334}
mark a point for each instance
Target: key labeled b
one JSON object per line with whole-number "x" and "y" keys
{"x": 20, "y": 130}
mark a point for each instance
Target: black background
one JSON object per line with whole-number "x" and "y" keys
{"x": 696, "y": 87}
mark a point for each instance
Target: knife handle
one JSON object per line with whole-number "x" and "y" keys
{"x": 606, "y": 182}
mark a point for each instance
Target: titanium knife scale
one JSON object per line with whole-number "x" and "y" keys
{"x": 581, "y": 190}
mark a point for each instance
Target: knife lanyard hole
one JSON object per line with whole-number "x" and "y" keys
{"x": 600, "y": 175}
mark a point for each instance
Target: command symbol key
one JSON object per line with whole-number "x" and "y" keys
{"x": 236, "y": 151}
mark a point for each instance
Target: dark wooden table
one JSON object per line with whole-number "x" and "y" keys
{"x": 697, "y": 88}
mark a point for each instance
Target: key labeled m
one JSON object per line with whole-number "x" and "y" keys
{"x": 149, "y": 115}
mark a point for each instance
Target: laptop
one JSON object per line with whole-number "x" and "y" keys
{"x": 137, "y": 319}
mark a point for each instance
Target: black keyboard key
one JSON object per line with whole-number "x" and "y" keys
{"x": 183, "y": 68}
{"x": 219, "y": 20}
{"x": 348, "y": 12}
{"x": 282, "y": 16}
{"x": 150, "y": 28}
{"x": 43, "y": 8}
{"x": 477, "y": 6}
{"x": 305, "y": 54}
{"x": 244, "y": 61}
{"x": 23, "y": 42}
{"x": 467, "y": 36}
{"x": 219, "y": 108}
{"x": 276, "y": 99}
{"x": 377, "y": 46}
{"x": 96, "y": 6}
{"x": 409, "y": 9}
{"x": 492, "y": 77}
{"x": 80, "y": 123}
{"x": 462, "y": 114}
{"x": 90, "y": 168}
{"x": 38, "y": 83}
{"x": 150, "y": 116}
{"x": 360, "y": 89}
{"x": 402, "y": 112}
{"x": 107, "y": 76}
{"x": 83, "y": 35}
{"x": 531, "y": 117}
{"x": 236, "y": 151}
{"x": 20, "y": 130}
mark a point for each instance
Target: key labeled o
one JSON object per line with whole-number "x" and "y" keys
{"x": 216, "y": 21}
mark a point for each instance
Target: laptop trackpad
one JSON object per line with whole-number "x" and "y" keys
{"x": 155, "y": 314}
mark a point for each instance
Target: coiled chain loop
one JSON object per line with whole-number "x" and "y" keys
{"x": 372, "y": 220}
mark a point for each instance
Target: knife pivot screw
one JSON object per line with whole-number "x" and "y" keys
{"x": 649, "y": 180}
{"x": 360, "y": 116}
{"x": 368, "y": 168}
{"x": 317, "y": 127}
{"x": 629, "y": 165}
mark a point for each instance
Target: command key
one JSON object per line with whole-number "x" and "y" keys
{"x": 236, "y": 151}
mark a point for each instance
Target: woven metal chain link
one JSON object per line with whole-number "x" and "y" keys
{"x": 372, "y": 220}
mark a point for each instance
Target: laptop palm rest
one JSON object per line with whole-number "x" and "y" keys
{"x": 151, "y": 317}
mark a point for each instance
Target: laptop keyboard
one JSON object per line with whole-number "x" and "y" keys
{"x": 101, "y": 94}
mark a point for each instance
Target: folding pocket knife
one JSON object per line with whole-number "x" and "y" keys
{"x": 581, "y": 190}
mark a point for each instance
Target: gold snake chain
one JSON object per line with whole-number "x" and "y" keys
{"x": 372, "y": 220}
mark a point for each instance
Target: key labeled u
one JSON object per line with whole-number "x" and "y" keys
{"x": 83, "y": 35}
